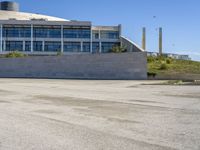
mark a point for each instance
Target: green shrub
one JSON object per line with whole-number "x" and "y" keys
{"x": 15, "y": 54}
{"x": 168, "y": 61}
{"x": 151, "y": 59}
{"x": 163, "y": 66}
{"x": 151, "y": 74}
{"x": 59, "y": 54}
{"x": 118, "y": 49}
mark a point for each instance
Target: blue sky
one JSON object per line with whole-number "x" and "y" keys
{"x": 180, "y": 19}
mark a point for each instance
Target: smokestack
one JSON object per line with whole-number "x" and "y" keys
{"x": 160, "y": 42}
{"x": 144, "y": 38}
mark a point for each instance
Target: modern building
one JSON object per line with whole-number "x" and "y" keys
{"x": 41, "y": 35}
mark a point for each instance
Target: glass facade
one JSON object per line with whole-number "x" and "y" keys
{"x": 37, "y": 46}
{"x": 72, "y": 47}
{"x": 48, "y": 38}
{"x": 109, "y": 35}
{"x": 52, "y": 47}
{"x": 14, "y": 46}
{"x": 86, "y": 47}
{"x": 47, "y": 32}
{"x": 95, "y": 47}
{"x": 28, "y": 46}
{"x": 17, "y": 32}
{"x": 107, "y": 46}
{"x": 77, "y": 33}
{"x": 95, "y": 34}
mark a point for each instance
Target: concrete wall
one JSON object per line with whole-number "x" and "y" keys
{"x": 80, "y": 66}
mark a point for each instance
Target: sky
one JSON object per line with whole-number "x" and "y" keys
{"x": 180, "y": 19}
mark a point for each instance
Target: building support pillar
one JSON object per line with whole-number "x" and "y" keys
{"x": 43, "y": 45}
{"x": 31, "y": 38}
{"x": 91, "y": 41}
{"x": 100, "y": 49}
{"x": 62, "y": 39}
{"x": 1, "y": 44}
{"x": 81, "y": 46}
{"x": 4, "y": 45}
{"x": 24, "y": 45}
{"x": 99, "y": 34}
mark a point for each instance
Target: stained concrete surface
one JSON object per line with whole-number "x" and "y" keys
{"x": 98, "y": 115}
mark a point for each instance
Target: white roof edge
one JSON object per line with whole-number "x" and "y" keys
{"x": 134, "y": 44}
{"x": 6, "y": 15}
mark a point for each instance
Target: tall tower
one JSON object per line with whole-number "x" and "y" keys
{"x": 160, "y": 42}
{"x": 144, "y": 38}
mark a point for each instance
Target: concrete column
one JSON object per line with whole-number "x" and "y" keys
{"x": 31, "y": 38}
{"x": 4, "y": 45}
{"x": 100, "y": 49}
{"x": 120, "y": 30}
{"x": 24, "y": 45}
{"x": 1, "y": 40}
{"x": 144, "y": 38}
{"x": 91, "y": 41}
{"x": 120, "y": 33}
{"x": 160, "y": 42}
{"x": 81, "y": 46}
{"x": 62, "y": 39}
{"x": 99, "y": 34}
{"x": 43, "y": 45}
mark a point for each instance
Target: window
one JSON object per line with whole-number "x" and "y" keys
{"x": 19, "y": 32}
{"x": 52, "y": 46}
{"x": 14, "y": 46}
{"x": 72, "y": 47}
{"x": 77, "y": 33}
{"x": 37, "y": 46}
{"x": 107, "y": 46}
{"x": 47, "y": 32}
{"x": 109, "y": 34}
{"x": 95, "y": 47}
{"x": 86, "y": 47}
{"x": 95, "y": 35}
{"x": 28, "y": 46}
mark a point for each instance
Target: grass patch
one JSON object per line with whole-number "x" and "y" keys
{"x": 168, "y": 66}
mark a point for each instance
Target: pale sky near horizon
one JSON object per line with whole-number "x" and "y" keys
{"x": 180, "y": 19}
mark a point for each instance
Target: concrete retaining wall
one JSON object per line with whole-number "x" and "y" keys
{"x": 80, "y": 66}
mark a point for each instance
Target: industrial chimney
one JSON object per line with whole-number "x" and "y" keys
{"x": 9, "y": 6}
{"x": 160, "y": 42}
{"x": 144, "y": 38}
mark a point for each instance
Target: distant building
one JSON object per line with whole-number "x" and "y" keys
{"x": 171, "y": 55}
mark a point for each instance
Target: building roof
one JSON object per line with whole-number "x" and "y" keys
{"x": 12, "y": 15}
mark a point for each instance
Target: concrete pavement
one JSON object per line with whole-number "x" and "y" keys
{"x": 98, "y": 115}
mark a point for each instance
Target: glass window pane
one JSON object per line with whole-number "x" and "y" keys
{"x": 19, "y": 32}
{"x": 109, "y": 35}
{"x": 86, "y": 47}
{"x": 72, "y": 47}
{"x": 37, "y": 46}
{"x": 14, "y": 46}
{"x": 47, "y": 32}
{"x": 52, "y": 47}
{"x": 107, "y": 46}
{"x": 95, "y": 47}
{"x": 77, "y": 33}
